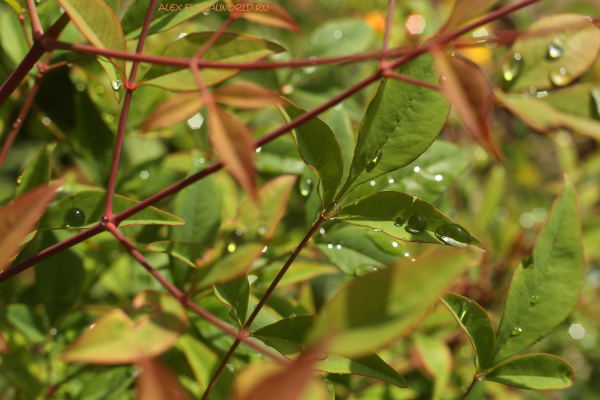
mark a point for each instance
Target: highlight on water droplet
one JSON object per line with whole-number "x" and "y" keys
{"x": 516, "y": 331}
{"x": 416, "y": 224}
{"x": 373, "y": 163}
{"x": 534, "y": 300}
{"x": 116, "y": 85}
{"x": 555, "y": 49}
{"x": 330, "y": 387}
{"x": 363, "y": 270}
{"x": 512, "y": 67}
{"x": 74, "y": 217}
{"x": 399, "y": 221}
{"x": 262, "y": 230}
{"x": 293, "y": 315}
{"x": 559, "y": 76}
{"x": 454, "y": 235}
{"x": 231, "y": 247}
{"x": 305, "y": 187}
{"x": 230, "y": 367}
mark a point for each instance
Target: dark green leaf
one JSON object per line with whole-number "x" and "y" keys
{"x": 288, "y": 335}
{"x": 401, "y": 122}
{"x": 320, "y": 150}
{"x": 235, "y": 295}
{"x": 91, "y": 203}
{"x": 475, "y": 322}
{"x": 341, "y": 126}
{"x": 437, "y": 360}
{"x": 25, "y": 320}
{"x": 108, "y": 384}
{"x": 545, "y": 287}
{"x": 533, "y": 371}
{"x": 381, "y": 210}
{"x": 37, "y": 172}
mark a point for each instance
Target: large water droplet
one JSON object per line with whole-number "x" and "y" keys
{"x": 416, "y": 224}
{"x": 268, "y": 344}
{"x": 74, "y": 217}
{"x": 560, "y": 76}
{"x": 330, "y": 387}
{"x": 363, "y": 270}
{"x": 534, "y": 300}
{"x": 19, "y": 180}
{"x": 516, "y": 331}
{"x": 512, "y": 67}
{"x": 399, "y": 221}
{"x": 116, "y": 85}
{"x": 454, "y": 235}
{"x": 555, "y": 49}
{"x": 373, "y": 163}
{"x": 305, "y": 187}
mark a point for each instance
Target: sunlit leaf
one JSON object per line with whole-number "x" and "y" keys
{"x": 354, "y": 36}
{"x": 299, "y": 271}
{"x": 272, "y": 15}
{"x": 115, "y": 339}
{"x": 173, "y": 110}
{"x": 15, "y": 5}
{"x": 85, "y": 208}
{"x": 184, "y": 251}
{"x": 545, "y": 287}
{"x": 245, "y": 96}
{"x": 533, "y": 371}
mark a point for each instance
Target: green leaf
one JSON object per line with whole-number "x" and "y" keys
{"x": 320, "y": 150}
{"x": 356, "y": 37}
{"x": 24, "y": 319}
{"x": 402, "y": 121}
{"x": 567, "y": 41}
{"x": 38, "y": 171}
{"x": 581, "y": 100}
{"x": 229, "y": 47}
{"x": 341, "y": 125}
{"x": 300, "y": 271}
{"x": 545, "y": 287}
{"x": 92, "y": 202}
{"x": 14, "y": 44}
{"x": 108, "y": 385}
{"x": 473, "y": 319}
{"x": 437, "y": 360}
{"x": 374, "y": 310}
{"x": 15, "y": 5}
{"x": 235, "y": 294}
{"x": 288, "y": 335}
{"x": 200, "y": 357}
{"x": 186, "y": 252}
{"x": 231, "y": 265}
{"x": 162, "y": 19}
{"x": 465, "y": 10}
{"x": 381, "y": 210}
{"x": 533, "y": 371}
{"x": 99, "y": 24}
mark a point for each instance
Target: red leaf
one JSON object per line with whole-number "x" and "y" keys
{"x": 245, "y": 96}
{"x": 274, "y": 16}
{"x": 173, "y": 110}
{"x": 158, "y": 382}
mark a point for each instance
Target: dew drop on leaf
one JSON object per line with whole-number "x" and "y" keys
{"x": 322, "y": 356}
{"x": 534, "y": 300}
{"x": 373, "y": 163}
{"x": 268, "y": 344}
{"x": 516, "y": 331}
{"x": 293, "y": 315}
{"x": 358, "y": 201}
{"x": 555, "y": 49}
{"x": 231, "y": 247}
{"x": 416, "y": 224}
{"x": 512, "y": 68}
{"x": 363, "y": 270}
{"x": 330, "y": 387}
{"x": 305, "y": 187}
{"x": 116, "y": 85}
{"x": 560, "y": 77}
{"x": 399, "y": 221}
{"x": 454, "y": 235}
{"x": 19, "y": 180}
{"x": 74, "y": 217}
{"x": 262, "y": 230}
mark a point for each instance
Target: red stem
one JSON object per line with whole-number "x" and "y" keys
{"x": 36, "y": 25}
{"x": 261, "y": 303}
{"x": 395, "y": 75}
{"x": 388, "y": 29}
{"x": 469, "y": 389}
{"x": 20, "y": 119}
{"x": 125, "y": 113}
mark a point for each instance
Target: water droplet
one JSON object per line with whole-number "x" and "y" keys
{"x": 268, "y": 344}
{"x": 358, "y": 201}
{"x": 373, "y": 163}
{"x": 555, "y": 49}
{"x": 230, "y": 367}
{"x": 465, "y": 307}
{"x": 293, "y": 315}
{"x": 453, "y": 53}
{"x": 330, "y": 387}
{"x": 454, "y": 235}
{"x": 74, "y": 217}
{"x": 322, "y": 356}
{"x": 534, "y": 300}
{"x": 516, "y": 331}
{"x": 363, "y": 270}
{"x": 262, "y": 230}
{"x": 560, "y": 77}
{"x": 239, "y": 232}
{"x": 399, "y": 221}
{"x": 333, "y": 207}
{"x": 512, "y": 67}
{"x": 378, "y": 230}
{"x": 19, "y": 180}
{"x": 305, "y": 187}
{"x": 116, "y": 85}
{"x": 416, "y": 224}
{"x": 231, "y": 247}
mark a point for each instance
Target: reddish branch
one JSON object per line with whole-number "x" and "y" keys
{"x": 36, "y": 25}
{"x": 395, "y": 75}
{"x": 388, "y": 30}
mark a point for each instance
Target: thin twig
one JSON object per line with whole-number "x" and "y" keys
{"x": 36, "y": 25}
{"x": 410, "y": 79}
{"x": 388, "y": 30}
{"x": 469, "y": 389}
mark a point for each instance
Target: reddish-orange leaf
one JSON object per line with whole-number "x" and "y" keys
{"x": 3, "y": 345}
{"x": 232, "y": 140}
{"x": 275, "y": 16}
{"x": 245, "y": 96}
{"x": 158, "y": 382}
{"x": 17, "y": 220}
{"x": 464, "y": 10}
{"x": 173, "y": 110}
{"x": 472, "y": 95}
{"x": 115, "y": 339}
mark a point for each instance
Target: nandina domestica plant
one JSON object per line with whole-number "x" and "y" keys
{"x": 351, "y": 200}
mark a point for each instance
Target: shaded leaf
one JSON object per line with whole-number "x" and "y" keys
{"x": 186, "y": 252}
{"x": 356, "y": 37}
{"x": 200, "y": 357}
{"x": 545, "y": 287}
{"x": 18, "y": 219}
{"x": 465, "y": 10}
{"x": 116, "y": 339}
{"x": 320, "y": 150}
{"x": 99, "y": 24}
{"x": 37, "y": 172}
{"x": 233, "y": 141}
{"x": 471, "y": 94}
{"x": 533, "y": 371}
{"x": 229, "y": 47}
{"x": 376, "y": 309}
{"x": 437, "y": 359}
{"x": 173, "y": 110}
{"x": 473, "y": 319}
{"x": 300, "y": 271}
{"x": 341, "y": 125}
{"x": 401, "y": 123}
{"x": 288, "y": 335}
{"x": 108, "y": 384}
{"x": 158, "y": 382}
{"x": 235, "y": 295}
{"x": 25, "y": 320}
{"x": 272, "y": 15}
{"x": 245, "y": 96}
{"x": 567, "y": 41}
{"x": 381, "y": 210}
{"x": 91, "y": 203}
